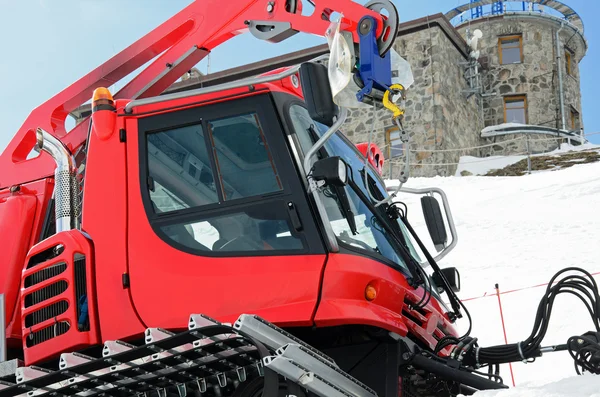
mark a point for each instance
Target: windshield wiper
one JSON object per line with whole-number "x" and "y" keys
{"x": 389, "y": 211}
{"x": 416, "y": 271}
{"x": 454, "y": 299}
{"x": 345, "y": 208}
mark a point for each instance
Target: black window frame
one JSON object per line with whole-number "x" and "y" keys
{"x": 284, "y": 103}
{"x": 292, "y": 188}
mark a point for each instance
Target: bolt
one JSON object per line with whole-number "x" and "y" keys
{"x": 14, "y": 189}
{"x": 270, "y": 7}
{"x": 406, "y": 356}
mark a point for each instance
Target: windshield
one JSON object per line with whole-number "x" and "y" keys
{"x": 360, "y": 229}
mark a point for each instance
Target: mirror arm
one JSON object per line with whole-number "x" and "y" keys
{"x": 447, "y": 210}
{"x": 319, "y": 144}
{"x": 312, "y": 185}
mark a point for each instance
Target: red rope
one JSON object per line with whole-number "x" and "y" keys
{"x": 515, "y": 290}
{"x": 504, "y": 330}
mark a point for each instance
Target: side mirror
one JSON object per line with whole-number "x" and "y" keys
{"x": 434, "y": 221}
{"x": 332, "y": 171}
{"x": 451, "y": 275}
{"x": 317, "y": 93}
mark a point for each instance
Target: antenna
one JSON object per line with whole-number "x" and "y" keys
{"x": 473, "y": 42}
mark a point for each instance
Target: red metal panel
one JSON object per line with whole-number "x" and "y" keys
{"x": 282, "y": 289}
{"x": 24, "y": 232}
{"x": 105, "y": 220}
{"x": 343, "y": 299}
{"x": 42, "y": 257}
{"x": 17, "y": 214}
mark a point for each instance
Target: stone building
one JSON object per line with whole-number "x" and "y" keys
{"x": 516, "y": 89}
{"x": 438, "y": 115}
{"x": 529, "y": 57}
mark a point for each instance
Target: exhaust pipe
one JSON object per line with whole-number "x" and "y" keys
{"x": 64, "y": 181}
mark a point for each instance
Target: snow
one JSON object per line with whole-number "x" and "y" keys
{"x": 585, "y": 386}
{"x": 482, "y": 165}
{"x": 518, "y": 232}
{"x": 503, "y": 126}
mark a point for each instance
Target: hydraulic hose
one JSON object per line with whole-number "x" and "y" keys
{"x": 585, "y": 350}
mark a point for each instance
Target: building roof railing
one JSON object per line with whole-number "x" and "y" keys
{"x": 477, "y": 9}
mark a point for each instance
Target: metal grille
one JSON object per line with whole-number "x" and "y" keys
{"x": 46, "y": 313}
{"x": 81, "y": 290}
{"x": 45, "y": 274}
{"x": 46, "y": 293}
{"x": 45, "y": 255}
{"x": 47, "y": 333}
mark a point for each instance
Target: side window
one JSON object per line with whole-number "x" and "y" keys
{"x": 236, "y": 232}
{"x": 215, "y": 186}
{"x": 243, "y": 157}
{"x": 179, "y": 169}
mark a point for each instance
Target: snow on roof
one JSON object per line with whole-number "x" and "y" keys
{"x": 502, "y": 126}
{"x": 517, "y": 128}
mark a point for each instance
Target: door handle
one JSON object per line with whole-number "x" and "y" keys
{"x": 295, "y": 218}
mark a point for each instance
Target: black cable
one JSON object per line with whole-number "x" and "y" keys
{"x": 454, "y": 299}
{"x": 585, "y": 350}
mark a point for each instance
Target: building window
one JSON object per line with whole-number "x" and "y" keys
{"x": 574, "y": 119}
{"x": 393, "y": 142}
{"x": 569, "y": 62}
{"x": 515, "y": 109}
{"x": 510, "y": 49}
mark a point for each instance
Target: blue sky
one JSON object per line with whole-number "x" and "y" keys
{"x": 47, "y": 45}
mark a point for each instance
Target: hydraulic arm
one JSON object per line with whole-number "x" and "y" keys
{"x": 176, "y": 46}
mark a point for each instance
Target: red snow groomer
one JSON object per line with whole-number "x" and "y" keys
{"x": 230, "y": 240}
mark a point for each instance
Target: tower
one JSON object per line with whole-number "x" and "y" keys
{"x": 529, "y": 55}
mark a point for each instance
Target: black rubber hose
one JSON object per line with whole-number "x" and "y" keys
{"x": 452, "y": 374}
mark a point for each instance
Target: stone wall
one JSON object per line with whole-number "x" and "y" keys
{"x": 438, "y": 115}
{"x": 536, "y": 77}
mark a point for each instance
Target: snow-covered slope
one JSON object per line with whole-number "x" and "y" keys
{"x": 518, "y": 232}
{"x": 482, "y": 165}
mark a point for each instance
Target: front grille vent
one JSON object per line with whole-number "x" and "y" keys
{"x": 45, "y": 274}
{"x": 46, "y": 313}
{"x": 83, "y": 323}
{"x": 48, "y": 296}
{"x": 47, "y": 333}
{"x": 46, "y": 293}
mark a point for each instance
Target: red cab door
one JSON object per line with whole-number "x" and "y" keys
{"x": 219, "y": 222}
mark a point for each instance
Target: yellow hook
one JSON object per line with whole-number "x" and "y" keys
{"x": 389, "y": 104}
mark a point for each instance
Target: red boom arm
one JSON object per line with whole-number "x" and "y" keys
{"x": 180, "y": 43}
